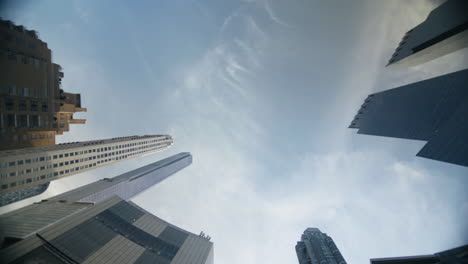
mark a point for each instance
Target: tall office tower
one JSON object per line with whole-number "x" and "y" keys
{"x": 316, "y": 247}
{"x": 27, "y": 172}
{"x": 33, "y": 106}
{"x": 96, "y": 224}
{"x": 457, "y": 255}
{"x": 433, "y": 110}
{"x": 445, "y": 30}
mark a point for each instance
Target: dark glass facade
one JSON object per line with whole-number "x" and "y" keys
{"x": 457, "y": 255}
{"x": 433, "y": 110}
{"x": 445, "y": 30}
{"x": 316, "y": 247}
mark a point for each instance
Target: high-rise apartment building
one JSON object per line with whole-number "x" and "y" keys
{"x": 27, "y": 172}
{"x": 457, "y": 255}
{"x": 433, "y": 110}
{"x": 316, "y": 247}
{"x": 33, "y": 106}
{"x": 445, "y": 30}
{"x": 97, "y": 224}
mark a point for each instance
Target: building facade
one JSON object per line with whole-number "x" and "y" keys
{"x": 316, "y": 247}
{"x": 433, "y": 110}
{"x": 33, "y": 106}
{"x": 457, "y": 255}
{"x": 27, "y": 172}
{"x": 444, "y": 31}
{"x": 97, "y": 224}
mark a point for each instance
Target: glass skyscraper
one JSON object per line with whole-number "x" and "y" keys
{"x": 316, "y": 247}
{"x": 445, "y": 30}
{"x": 97, "y": 224}
{"x": 457, "y": 255}
{"x": 433, "y": 110}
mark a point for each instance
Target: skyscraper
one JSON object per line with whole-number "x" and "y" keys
{"x": 97, "y": 224}
{"x": 316, "y": 247}
{"x": 445, "y": 30}
{"x": 27, "y": 172}
{"x": 433, "y": 110}
{"x": 33, "y": 106}
{"x": 457, "y": 255}
{"x": 92, "y": 225}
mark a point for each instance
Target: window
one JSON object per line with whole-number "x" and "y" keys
{"x": 61, "y": 156}
{"x": 12, "y": 174}
{"x": 4, "y": 186}
{"x": 55, "y": 156}
{"x": 71, "y": 162}
{"x": 28, "y": 161}
{"x": 66, "y": 155}
{"x": 28, "y": 171}
{"x": 12, "y": 90}
{"x": 20, "y": 162}
{"x": 62, "y": 172}
{"x": 25, "y": 91}
{"x": 36, "y": 62}
{"x": 20, "y": 172}
{"x": 9, "y": 104}
{"x": 61, "y": 164}
{"x": 28, "y": 180}
{"x": 42, "y": 168}
{"x": 34, "y": 106}
{"x": 55, "y": 165}
{"x": 23, "y": 121}
{"x": 13, "y": 184}
{"x": 11, "y": 55}
{"x": 42, "y": 177}
{"x": 11, "y": 163}
{"x": 33, "y": 136}
{"x": 37, "y": 92}
{"x": 22, "y": 105}
{"x": 55, "y": 173}
{"x": 44, "y": 107}
{"x": 66, "y": 163}
{"x": 25, "y": 60}
{"x": 41, "y": 158}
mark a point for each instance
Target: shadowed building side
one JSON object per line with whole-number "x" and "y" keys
{"x": 444, "y": 31}
{"x": 433, "y": 110}
{"x": 457, "y": 255}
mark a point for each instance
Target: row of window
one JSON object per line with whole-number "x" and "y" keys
{"x": 21, "y": 42}
{"x": 24, "y": 121}
{"x": 11, "y": 89}
{"x": 10, "y": 105}
{"x": 71, "y": 154}
{"x": 57, "y": 173}
{"x": 22, "y": 58}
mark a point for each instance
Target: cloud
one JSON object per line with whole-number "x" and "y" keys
{"x": 272, "y": 14}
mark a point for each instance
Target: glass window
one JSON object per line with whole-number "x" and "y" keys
{"x": 34, "y": 106}
{"x": 12, "y": 174}
{"x": 25, "y": 91}
{"x": 28, "y": 180}
{"x": 22, "y": 106}
{"x": 12, "y": 89}
{"x": 11, "y": 163}
{"x": 44, "y": 107}
{"x": 28, "y": 161}
{"x": 9, "y": 104}
{"x": 20, "y": 162}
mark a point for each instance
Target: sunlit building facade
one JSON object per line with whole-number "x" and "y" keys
{"x": 33, "y": 106}
{"x": 27, "y": 172}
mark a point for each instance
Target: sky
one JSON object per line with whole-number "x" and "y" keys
{"x": 261, "y": 92}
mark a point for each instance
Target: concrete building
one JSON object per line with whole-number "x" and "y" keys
{"x": 432, "y": 110}
{"x": 445, "y": 30}
{"x": 457, "y": 255}
{"x": 33, "y": 106}
{"x": 316, "y": 247}
{"x": 27, "y": 172}
{"x": 97, "y": 224}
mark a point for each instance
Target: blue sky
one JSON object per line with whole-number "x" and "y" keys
{"x": 261, "y": 93}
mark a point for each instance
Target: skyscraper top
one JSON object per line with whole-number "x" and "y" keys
{"x": 34, "y": 108}
{"x": 445, "y": 30}
{"x": 316, "y": 247}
